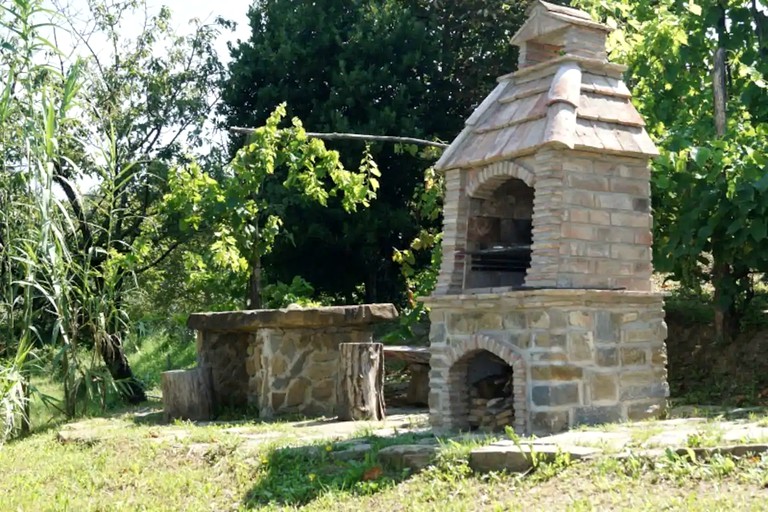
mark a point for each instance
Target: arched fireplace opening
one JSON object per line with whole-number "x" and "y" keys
{"x": 499, "y": 235}
{"x": 484, "y": 395}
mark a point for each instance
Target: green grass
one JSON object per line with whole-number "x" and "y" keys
{"x": 145, "y": 466}
{"x": 159, "y": 351}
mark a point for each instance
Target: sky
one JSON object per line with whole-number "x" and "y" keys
{"x": 184, "y": 10}
{"x": 233, "y": 10}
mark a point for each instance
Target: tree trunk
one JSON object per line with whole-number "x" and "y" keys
{"x": 188, "y": 394}
{"x": 720, "y": 274}
{"x": 360, "y": 388}
{"x": 114, "y": 358}
{"x": 721, "y": 271}
{"x": 254, "y": 285}
{"x": 253, "y": 296}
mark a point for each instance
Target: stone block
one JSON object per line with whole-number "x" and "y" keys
{"x": 639, "y": 188}
{"x": 555, "y": 395}
{"x": 515, "y": 320}
{"x": 626, "y": 252}
{"x": 510, "y": 457}
{"x": 523, "y": 340}
{"x": 606, "y": 328}
{"x": 645, "y": 410}
{"x": 437, "y": 333}
{"x": 638, "y": 377}
{"x": 550, "y": 422}
{"x": 548, "y": 356}
{"x": 659, "y": 356}
{"x": 541, "y": 339}
{"x": 319, "y": 371}
{"x": 638, "y": 335}
{"x": 581, "y": 346}
{"x": 607, "y": 356}
{"x": 538, "y": 320}
{"x": 587, "y": 182}
{"x": 597, "y": 415}
{"x": 354, "y": 452}
{"x": 566, "y": 372}
{"x": 278, "y": 400}
{"x": 600, "y": 217}
{"x": 558, "y": 319}
{"x": 633, "y": 356}
{"x": 297, "y": 392}
{"x": 609, "y": 201}
{"x": 576, "y": 231}
{"x": 580, "y": 319}
{"x": 411, "y": 456}
{"x": 241, "y": 321}
{"x": 641, "y": 204}
{"x": 251, "y": 366}
{"x": 633, "y": 220}
{"x": 489, "y": 322}
{"x": 583, "y": 198}
{"x": 644, "y": 392}
{"x": 603, "y": 387}
{"x": 324, "y": 392}
{"x": 464, "y": 322}
{"x": 644, "y": 237}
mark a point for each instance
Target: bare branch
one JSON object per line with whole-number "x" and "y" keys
{"x": 357, "y": 136}
{"x": 159, "y": 260}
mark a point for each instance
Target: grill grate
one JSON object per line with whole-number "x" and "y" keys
{"x": 515, "y": 258}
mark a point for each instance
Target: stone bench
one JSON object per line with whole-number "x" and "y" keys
{"x": 417, "y": 361}
{"x": 282, "y": 361}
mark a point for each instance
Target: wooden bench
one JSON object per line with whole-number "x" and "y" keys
{"x": 417, "y": 360}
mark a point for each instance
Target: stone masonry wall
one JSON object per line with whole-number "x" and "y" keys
{"x": 586, "y": 356}
{"x": 223, "y": 352}
{"x": 294, "y": 371}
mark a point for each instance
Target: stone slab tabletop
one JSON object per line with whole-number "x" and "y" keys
{"x": 297, "y": 318}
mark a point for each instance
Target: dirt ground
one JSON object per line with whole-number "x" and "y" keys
{"x": 705, "y": 371}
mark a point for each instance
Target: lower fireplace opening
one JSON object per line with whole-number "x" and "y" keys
{"x": 491, "y": 396}
{"x": 484, "y": 392}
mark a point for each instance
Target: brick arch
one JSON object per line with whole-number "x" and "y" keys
{"x": 486, "y": 180}
{"x": 457, "y": 362}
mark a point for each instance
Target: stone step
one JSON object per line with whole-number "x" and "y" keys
{"x": 519, "y": 458}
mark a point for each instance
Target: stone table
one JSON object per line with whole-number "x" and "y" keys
{"x": 281, "y": 361}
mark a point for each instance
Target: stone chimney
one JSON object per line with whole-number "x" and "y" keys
{"x": 548, "y": 183}
{"x": 553, "y": 31}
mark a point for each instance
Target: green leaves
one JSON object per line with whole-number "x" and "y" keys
{"x": 693, "y": 7}
{"x": 233, "y": 206}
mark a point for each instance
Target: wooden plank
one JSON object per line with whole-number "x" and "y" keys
{"x": 409, "y": 354}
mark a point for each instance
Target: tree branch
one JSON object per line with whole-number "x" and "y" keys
{"x": 357, "y": 136}
{"x": 160, "y": 258}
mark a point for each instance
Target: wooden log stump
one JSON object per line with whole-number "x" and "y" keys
{"x": 188, "y": 394}
{"x": 418, "y": 387}
{"x": 360, "y": 388}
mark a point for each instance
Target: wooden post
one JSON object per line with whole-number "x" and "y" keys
{"x": 360, "y": 388}
{"x": 188, "y": 394}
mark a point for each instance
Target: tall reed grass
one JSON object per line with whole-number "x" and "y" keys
{"x": 50, "y": 292}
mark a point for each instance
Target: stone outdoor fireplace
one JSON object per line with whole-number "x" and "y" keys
{"x": 543, "y": 316}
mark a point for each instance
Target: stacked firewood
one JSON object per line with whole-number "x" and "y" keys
{"x": 491, "y": 405}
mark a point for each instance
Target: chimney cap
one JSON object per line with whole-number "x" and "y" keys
{"x": 545, "y": 18}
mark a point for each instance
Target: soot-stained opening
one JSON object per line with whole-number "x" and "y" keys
{"x": 490, "y": 392}
{"x": 499, "y": 236}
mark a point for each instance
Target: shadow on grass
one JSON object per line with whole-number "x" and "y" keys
{"x": 295, "y": 476}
